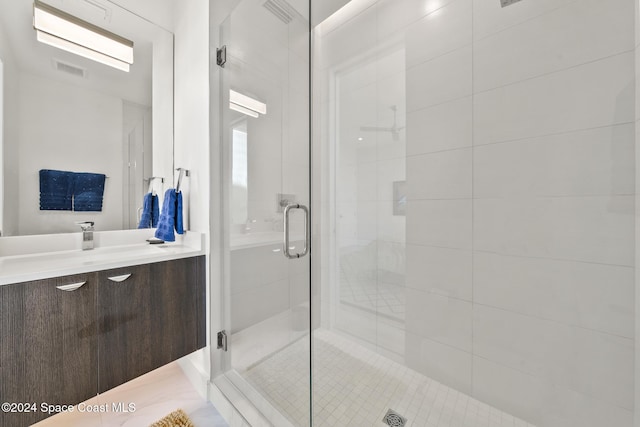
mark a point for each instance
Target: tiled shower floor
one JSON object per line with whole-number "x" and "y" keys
{"x": 354, "y": 386}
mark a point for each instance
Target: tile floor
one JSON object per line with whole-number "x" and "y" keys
{"x": 354, "y": 386}
{"x": 155, "y": 395}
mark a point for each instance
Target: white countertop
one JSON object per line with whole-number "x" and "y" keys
{"x": 36, "y": 266}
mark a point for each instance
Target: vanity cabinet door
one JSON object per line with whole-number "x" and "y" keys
{"x": 48, "y": 349}
{"x": 149, "y": 315}
{"x": 179, "y": 301}
{"x": 125, "y": 319}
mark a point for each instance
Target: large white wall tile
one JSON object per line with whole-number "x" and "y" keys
{"x": 443, "y": 175}
{"x": 591, "y": 95}
{"x": 367, "y": 182}
{"x": 442, "y": 127}
{"x": 590, "y": 229}
{"x": 367, "y": 223}
{"x": 444, "y": 223}
{"x": 450, "y": 26}
{"x": 439, "y": 318}
{"x": 440, "y": 362}
{"x": 637, "y": 76}
{"x": 592, "y": 363}
{"x": 445, "y": 78}
{"x": 541, "y": 402}
{"x": 576, "y": 33}
{"x": 395, "y": 15}
{"x": 590, "y": 162}
{"x": 391, "y": 338}
{"x": 593, "y": 296}
{"x": 359, "y": 323}
{"x": 441, "y": 271}
{"x": 388, "y": 173}
{"x": 489, "y": 17}
{"x": 392, "y": 263}
{"x": 391, "y": 227}
{"x": 358, "y": 36}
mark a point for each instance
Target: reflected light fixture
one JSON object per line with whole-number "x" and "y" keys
{"x": 67, "y": 32}
{"x": 246, "y": 105}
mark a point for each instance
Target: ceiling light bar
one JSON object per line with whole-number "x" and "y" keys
{"x": 80, "y": 50}
{"x": 243, "y": 110}
{"x": 70, "y": 29}
{"x": 247, "y": 102}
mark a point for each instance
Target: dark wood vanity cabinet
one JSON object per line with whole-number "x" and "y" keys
{"x": 48, "y": 351}
{"x": 62, "y": 343}
{"x": 149, "y": 316}
{"x": 125, "y": 324}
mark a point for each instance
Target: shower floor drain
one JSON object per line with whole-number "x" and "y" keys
{"x": 393, "y": 419}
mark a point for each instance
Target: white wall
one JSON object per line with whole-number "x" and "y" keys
{"x": 520, "y": 165}
{"x": 163, "y": 108}
{"x": 637, "y": 221}
{"x": 191, "y": 109}
{"x": 72, "y": 129}
{"x": 553, "y": 166}
{"x": 9, "y": 165}
{"x": 160, "y": 12}
{"x": 1, "y": 142}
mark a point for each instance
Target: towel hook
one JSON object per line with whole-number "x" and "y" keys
{"x": 152, "y": 190}
{"x": 183, "y": 172}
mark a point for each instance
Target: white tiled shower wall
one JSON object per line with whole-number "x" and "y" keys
{"x": 637, "y": 217}
{"x": 520, "y": 225}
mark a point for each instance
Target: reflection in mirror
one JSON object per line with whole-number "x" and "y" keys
{"x": 65, "y": 112}
{"x": 239, "y": 177}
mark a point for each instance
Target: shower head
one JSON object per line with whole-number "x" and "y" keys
{"x": 505, "y": 3}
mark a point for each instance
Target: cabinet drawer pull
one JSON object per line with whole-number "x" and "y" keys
{"x": 119, "y": 278}
{"x": 71, "y": 287}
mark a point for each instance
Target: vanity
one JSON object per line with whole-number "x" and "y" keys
{"x": 87, "y": 321}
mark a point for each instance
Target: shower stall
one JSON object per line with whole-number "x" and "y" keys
{"x": 455, "y": 181}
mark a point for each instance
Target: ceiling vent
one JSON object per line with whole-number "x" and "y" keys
{"x": 281, "y": 9}
{"x": 505, "y": 3}
{"x": 65, "y": 67}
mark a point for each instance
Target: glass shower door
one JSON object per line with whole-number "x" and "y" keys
{"x": 265, "y": 117}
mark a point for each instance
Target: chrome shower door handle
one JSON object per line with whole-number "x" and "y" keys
{"x": 287, "y": 248}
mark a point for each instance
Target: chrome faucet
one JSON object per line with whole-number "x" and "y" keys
{"x": 87, "y": 234}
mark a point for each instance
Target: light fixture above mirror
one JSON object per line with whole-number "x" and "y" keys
{"x": 67, "y": 32}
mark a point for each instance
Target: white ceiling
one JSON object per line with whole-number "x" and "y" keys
{"x": 160, "y": 12}
{"x": 16, "y": 23}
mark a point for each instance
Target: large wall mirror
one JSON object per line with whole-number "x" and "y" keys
{"x": 61, "y": 111}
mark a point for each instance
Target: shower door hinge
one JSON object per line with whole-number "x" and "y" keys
{"x": 221, "y": 56}
{"x": 222, "y": 340}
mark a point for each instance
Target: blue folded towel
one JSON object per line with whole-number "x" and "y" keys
{"x": 89, "y": 191}
{"x": 171, "y": 216}
{"x": 178, "y": 217}
{"x": 150, "y": 211}
{"x": 56, "y": 190}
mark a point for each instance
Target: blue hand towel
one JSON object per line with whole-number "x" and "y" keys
{"x": 178, "y": 217}
{"x": 171, "y": 216}
{"x": 89, "y": 191}
{"x": 56, "y": 190}
{"x": 155, "y": 210}
{"x": 150, "y": 211}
